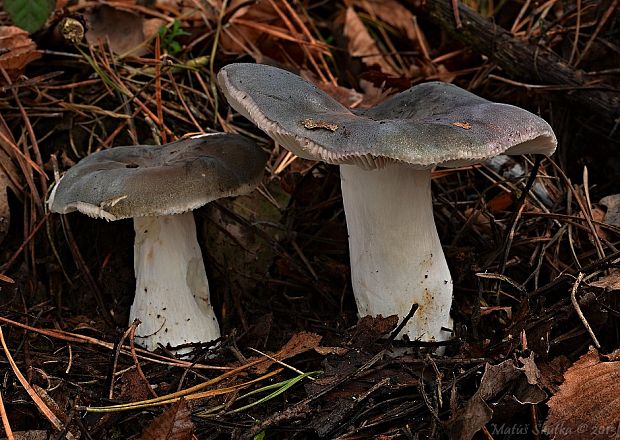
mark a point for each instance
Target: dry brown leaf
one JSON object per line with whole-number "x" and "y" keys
{"x": 174, "y": 424}
{"x": 369, "y": 97}
{"x": 373, "y": 95}
{"x": 476, "y": 413}
{"x": 609, "y": 282}
{"x": 151, "y": 27}
{"x": 16, "y": 49}
{"x": 133, "y": 387}
{"x": 361, "y": 44}
{"x": 598, "y": 215}
{"x": 370, "y": 329}
{"x": 345, "y": 96}
{"x": 552, "y": 372}
{"x": 123, "y": 30}
{"x": 612, "y": 203}
{"x": 299, "y": 343}
{"x": 392, "y": 13}
{"x": 587, "y": 405}
{"x": 239, "y": 39}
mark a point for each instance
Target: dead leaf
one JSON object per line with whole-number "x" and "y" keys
{"x": 552, "y": 373}
{"x": 299, "y": 343}
{"x": 500, "y": 203}
{"x": 361, "y": 44}
{"x": 609, "y": 282}
{"x": 122, "y": 30}
{"x": 373, "y": 95}
{"x": 612, "y": 203}
{"x": 369, "y": 97}
{"x": 476, "y": 413}
{"x": 174, "y": 424}
{"x": 151, "y": 27}
{"x": 587, "y": 404}
{"x": 239, "y": 39}
{"x": 530, "y": 369}
{"x": 598, "y": 215}
{"x": 345, "y": 96}
{"x": 16, "y": 50}
{"x": 133, "y": 387}
{"x": 392, "y": 13}
{"x": 370, "y": 329}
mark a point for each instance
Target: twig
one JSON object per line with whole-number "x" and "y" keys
{"x": 520, "y": 59}
{"x": 117, "y": 352}
{"x": 515, "y": 217}
{"x": 132, "y": 345}
{"x": 398, "y": 329}
{"x": 573, "y": 298}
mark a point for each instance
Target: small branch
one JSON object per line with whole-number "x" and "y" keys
{"x": 573, "y": 298}
{"x": 520, "y": 59}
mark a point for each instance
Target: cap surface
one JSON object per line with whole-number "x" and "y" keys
{"x": 429, "y": 124}
{"x": 144, "y": 180}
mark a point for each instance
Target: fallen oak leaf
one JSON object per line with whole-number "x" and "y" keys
{"x": 608, "y": 282}
{"x": 392, "y": 13}
{"x": 174, "y": 424}
{"x": 17, "y": 50}
{"x": 361, "y": 44}
{"x": 477, "y": 412}
{"x": 123, "y": 30}
{"x": 299, "y": 343}
{"x": 612, "y": 203}
{"x": 586, "y": 405}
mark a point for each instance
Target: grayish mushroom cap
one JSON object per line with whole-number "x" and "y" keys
{"x": 429, "y": 124}
{"x": 143, "y": 180}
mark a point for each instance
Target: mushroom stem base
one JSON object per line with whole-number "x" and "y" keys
{"x": 172, "y": 291}
{"x": 396, "y": 256}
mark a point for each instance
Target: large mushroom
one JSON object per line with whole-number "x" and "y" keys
{"x": 386, "y": 154}
{"x": 159, "y": 186}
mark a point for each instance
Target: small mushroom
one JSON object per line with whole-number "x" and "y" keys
{"x": 386, "y": 154}
{"x": 159, "y": 186}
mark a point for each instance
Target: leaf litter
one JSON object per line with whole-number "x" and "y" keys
{"x": 295, "y": 361}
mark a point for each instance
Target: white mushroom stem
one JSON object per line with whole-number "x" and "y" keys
{"x": 396, "y": 256}
{"x": 172, "y": 291}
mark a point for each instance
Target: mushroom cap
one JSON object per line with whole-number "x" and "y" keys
{"x": 429, "y": 124}
{"x": 145, "y": 180}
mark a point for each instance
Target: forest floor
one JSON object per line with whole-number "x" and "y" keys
{"x": 535, "y": 352}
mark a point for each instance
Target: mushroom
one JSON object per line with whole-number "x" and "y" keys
{"x": 386, "y": 154}
{"x": 159, "y": 186}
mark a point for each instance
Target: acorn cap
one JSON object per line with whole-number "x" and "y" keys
{"x": 146, "y": 180}
{"x": 429, "y": 124}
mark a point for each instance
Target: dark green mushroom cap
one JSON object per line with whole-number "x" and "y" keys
{"x": 144, "y": 180}
{"x": 429, "y": 124}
